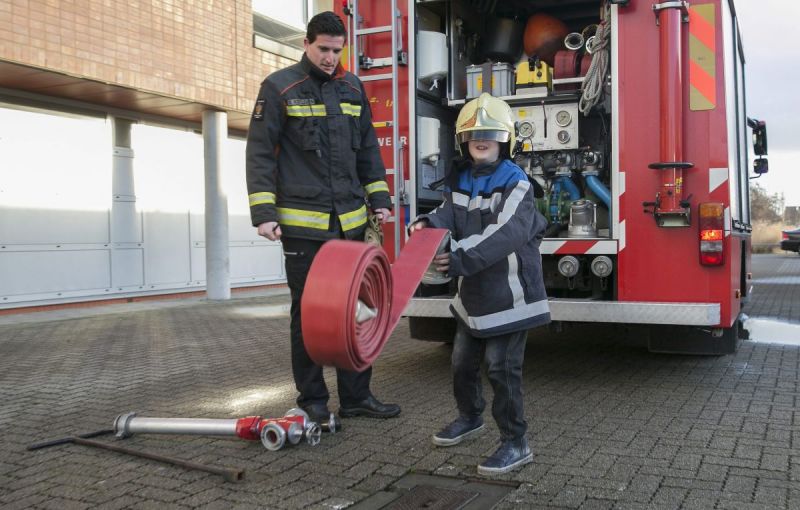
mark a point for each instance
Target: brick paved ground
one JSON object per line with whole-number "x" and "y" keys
{"x": 612, "y": 425}
{"x": 776, "y": 284}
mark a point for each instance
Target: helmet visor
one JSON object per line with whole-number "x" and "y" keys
{"x": 484, "y": 134}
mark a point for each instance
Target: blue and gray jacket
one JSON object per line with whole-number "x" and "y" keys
{"x": 496, "y": 232}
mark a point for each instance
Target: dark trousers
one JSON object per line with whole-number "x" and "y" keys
{"x": 353, "y": 386}
{"x": 503, "y": 355}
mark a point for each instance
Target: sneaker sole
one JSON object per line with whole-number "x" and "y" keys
{"x": 482, "y": 470}
{"x": 438, "y": 441}
{"x": 353, "y": 413}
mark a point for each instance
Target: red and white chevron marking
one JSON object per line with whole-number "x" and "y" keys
{"x": 578, "y": 247}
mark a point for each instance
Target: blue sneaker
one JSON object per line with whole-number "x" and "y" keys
{"x": 511, "y": 455}
{"x": 457, "y": 431}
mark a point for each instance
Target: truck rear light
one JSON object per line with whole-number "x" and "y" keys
{"x": 784, "y": 236}
{"x": 712, "y": 233}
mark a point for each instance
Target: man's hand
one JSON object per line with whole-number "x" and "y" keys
{"x": 383, "y": 214}
{"x": 271, "y": 230}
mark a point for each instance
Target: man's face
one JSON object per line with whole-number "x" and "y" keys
{"x": 325, "y": 51}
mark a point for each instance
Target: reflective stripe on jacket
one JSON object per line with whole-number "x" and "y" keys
{"x": 313, "y": 161}
{"x": 496, "y": 233}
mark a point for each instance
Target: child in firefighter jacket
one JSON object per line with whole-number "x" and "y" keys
{"x": 490, "y": 211}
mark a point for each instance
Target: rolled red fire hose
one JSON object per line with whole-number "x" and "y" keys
{"x": 346, "y": 272}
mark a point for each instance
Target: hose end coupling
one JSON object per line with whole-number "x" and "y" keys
{"x": 122, "y": 425}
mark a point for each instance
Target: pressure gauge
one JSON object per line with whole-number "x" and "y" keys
{"x": 526, "y": 129}
{"x": 563, "y": 136}
{"x": 563, "y": 118}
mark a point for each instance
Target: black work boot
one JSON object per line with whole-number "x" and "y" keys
{"x": 462, "y": 428}
{"x": 511, "y": 455}
{"x": 370, "y": 407}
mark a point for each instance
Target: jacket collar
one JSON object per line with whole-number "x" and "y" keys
{"x": 317, "y": 73}
{"x": 485, "y": 168}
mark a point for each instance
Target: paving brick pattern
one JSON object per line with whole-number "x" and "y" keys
{"x": 612, "y": 425}
{"x": 776, "y": 287}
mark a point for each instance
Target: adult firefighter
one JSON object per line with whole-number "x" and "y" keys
{"x": 313, "y": 167}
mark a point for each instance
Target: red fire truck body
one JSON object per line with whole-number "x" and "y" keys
{"x": 646, "y": 192}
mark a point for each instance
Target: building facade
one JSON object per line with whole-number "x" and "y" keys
{"x": 121, "y": 141}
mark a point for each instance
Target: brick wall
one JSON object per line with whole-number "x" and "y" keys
{"x": 198, "y": 50}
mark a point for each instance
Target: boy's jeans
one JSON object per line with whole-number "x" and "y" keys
{"x": 504, "y": 355}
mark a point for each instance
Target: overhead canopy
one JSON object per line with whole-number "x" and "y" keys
{"x": 76, "y": 88}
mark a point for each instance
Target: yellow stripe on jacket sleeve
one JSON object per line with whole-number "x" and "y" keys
{"x": 353, "y": 219}
{"x": 376, "y": 186}
{"x": 262, "y": 197}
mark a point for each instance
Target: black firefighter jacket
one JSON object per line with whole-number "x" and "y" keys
{"x": 313, "y": 161}
{"x": 496, "y": 232}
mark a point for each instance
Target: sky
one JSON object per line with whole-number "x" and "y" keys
{"x": 770, "y": 30}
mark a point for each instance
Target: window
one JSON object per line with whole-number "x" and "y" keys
{"x": 279, "y": 27}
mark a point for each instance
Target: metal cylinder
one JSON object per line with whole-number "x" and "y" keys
{"x": 312, "y": 431}
{"x": 364, "y": 312}
{"x": 294, "y": 428}
{"x": 126, "y": 425}
{"x": 590, "y": 42}
{"x": 602, "y": 266}
{"x": 582, "y": 219}
{"x": 573, "y": 41}
{"x": 568, "y": 266}
{"x": 273, "y": 437}
{"x": 294, "y": 431}
{"x": 671, "y": 76}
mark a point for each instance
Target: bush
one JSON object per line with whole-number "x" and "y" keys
{"x": 766, "y": 237}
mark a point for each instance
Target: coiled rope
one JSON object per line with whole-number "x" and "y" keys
{"x": 595, "y": 78}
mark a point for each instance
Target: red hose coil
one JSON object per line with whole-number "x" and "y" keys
{"x": 344, "y": 272}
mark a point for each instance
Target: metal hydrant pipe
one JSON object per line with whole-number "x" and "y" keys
{"x": 274, "y": 433}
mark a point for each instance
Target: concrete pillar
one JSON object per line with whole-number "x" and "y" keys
{"x": 123, "y": 218}
{"x": 215, "y": 132}
{"x": 126, "y": 224}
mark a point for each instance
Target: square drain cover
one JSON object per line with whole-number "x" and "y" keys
{"x": 432, "y": 498}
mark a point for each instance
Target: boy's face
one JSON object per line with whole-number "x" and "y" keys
{"x": 484, "y": 151}
{"x": 325, "y": 52}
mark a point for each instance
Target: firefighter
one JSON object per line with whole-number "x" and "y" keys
{"x": 496, "y": 230}
{"x": 313, "y": 168}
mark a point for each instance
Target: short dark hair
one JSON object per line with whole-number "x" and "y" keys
{"x": 326, "y": 23}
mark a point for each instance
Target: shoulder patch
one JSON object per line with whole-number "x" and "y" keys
{"x": 258, "y": 111}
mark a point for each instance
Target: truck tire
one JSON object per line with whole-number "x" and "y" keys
{"x": 432, "y": 329}
{"x": 695, "y": 340}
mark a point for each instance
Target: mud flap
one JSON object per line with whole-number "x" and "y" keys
{"x": 432, "y": 329}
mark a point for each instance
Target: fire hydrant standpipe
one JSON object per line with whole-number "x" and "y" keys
{"x": 274, "y": 433}
{"x": 346, "y": 272}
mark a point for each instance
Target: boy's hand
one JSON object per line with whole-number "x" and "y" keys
{"x": 419, "y": 225}
{"x": 442, "y": 262}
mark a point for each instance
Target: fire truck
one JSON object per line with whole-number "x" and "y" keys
{"x": 631, "y": 122}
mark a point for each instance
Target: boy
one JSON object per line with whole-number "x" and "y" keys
{"x": 496, "y": 230}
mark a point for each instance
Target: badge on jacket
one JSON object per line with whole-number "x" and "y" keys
{"x": 258, "y": 111}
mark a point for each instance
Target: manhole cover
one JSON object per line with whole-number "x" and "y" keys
{"x": 432, "y": 498}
